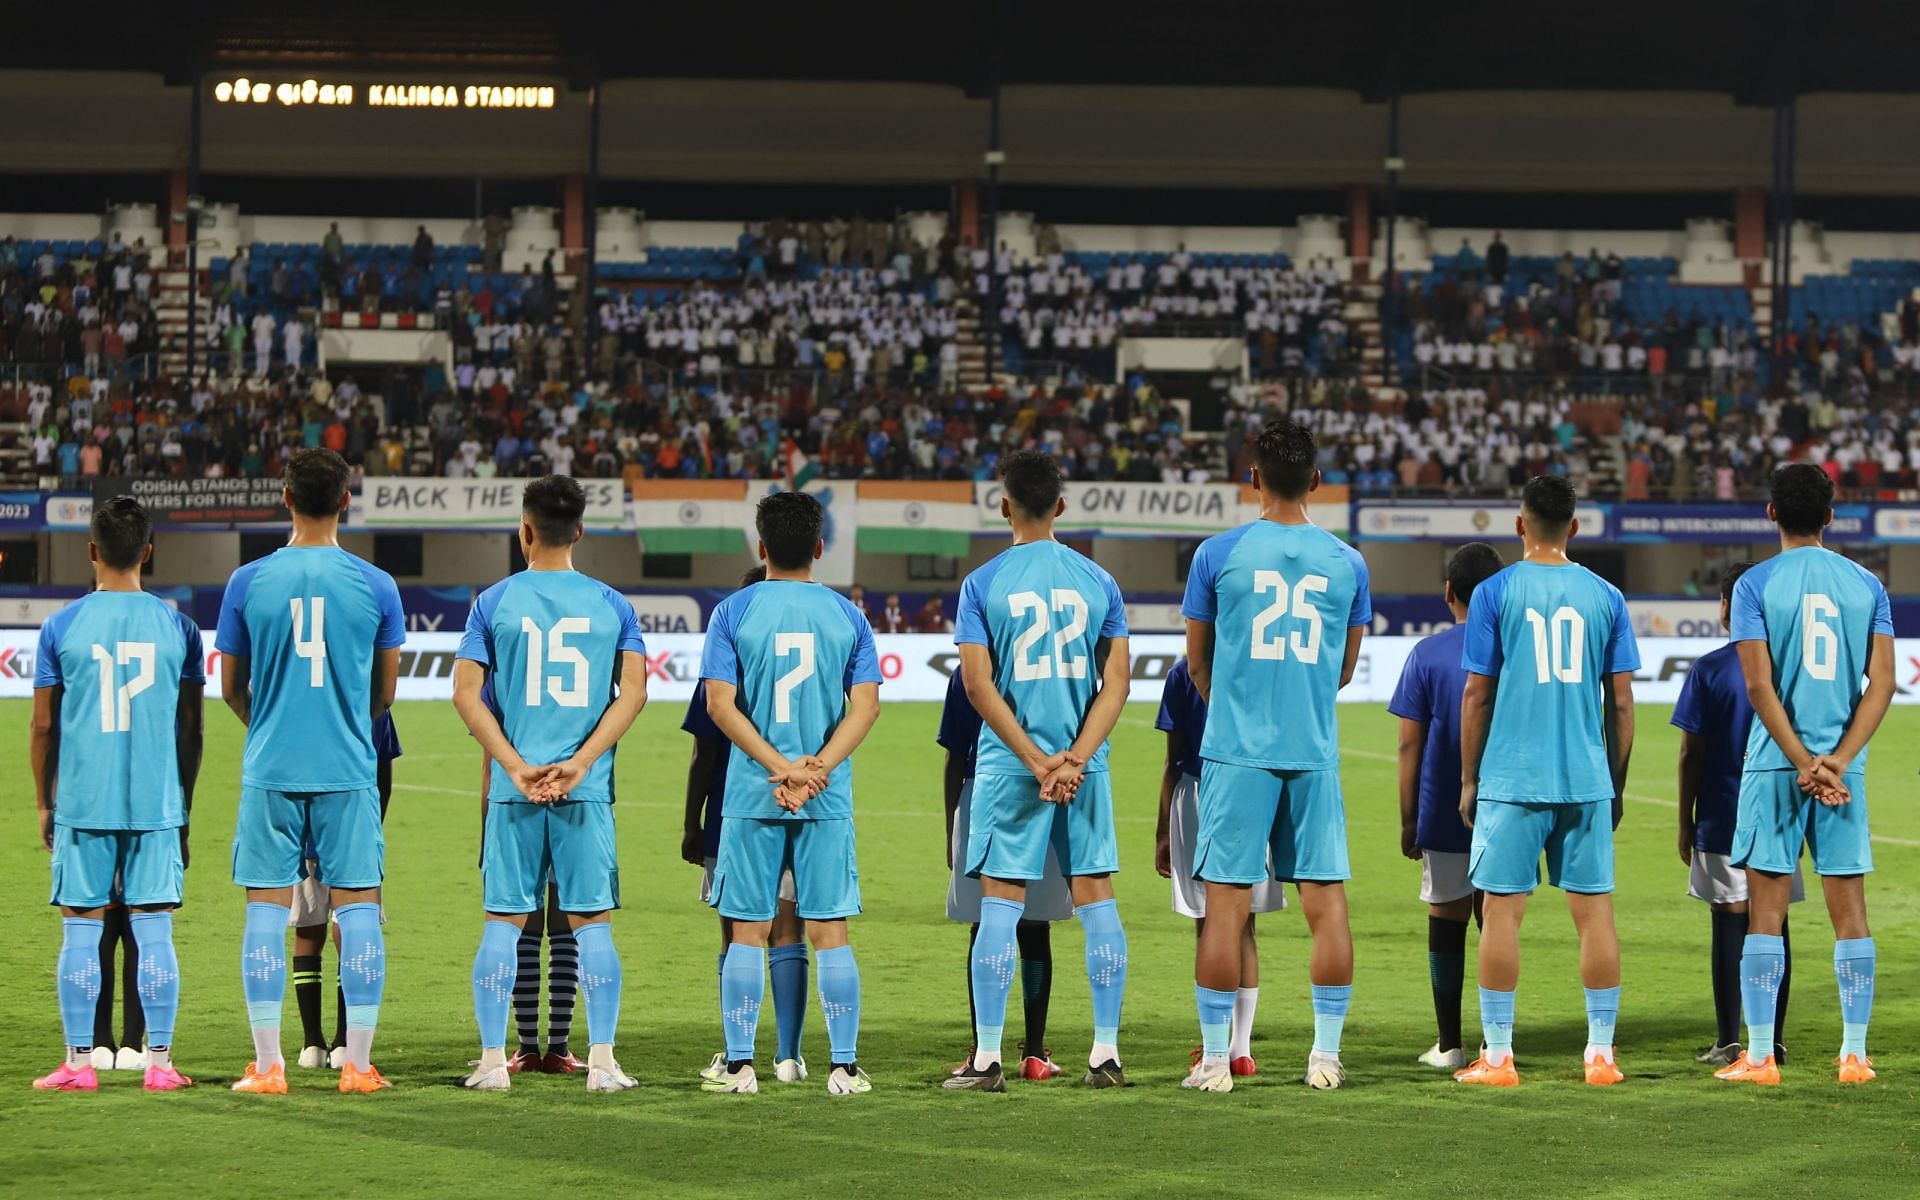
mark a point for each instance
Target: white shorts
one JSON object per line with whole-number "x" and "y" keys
{"x": 1443, "y": 876}
{"x": 1048, "y": 899}
{"x": 1714, "y": 879}
{"x": 313, "y": 901}
{"x": 1190, "y": 894}
{"x": 786, "y": 892}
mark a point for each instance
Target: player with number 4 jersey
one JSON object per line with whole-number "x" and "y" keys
{"x": 1546, "y": 727}
{"x": 310, "y": 651}
{"x": 1275, "y": 612}
{"x": 1814, "y": 632}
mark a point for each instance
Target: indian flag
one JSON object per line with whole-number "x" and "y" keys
{"x": 690, "y": 516}
{"x": 800, "y": 470}
{"x": 917, "y": 518}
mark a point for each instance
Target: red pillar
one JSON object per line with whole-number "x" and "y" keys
{"x": 1750, "y": 222}
{"x": 966, "y": 211}
{"x": 176, "y": 214}
{"x": 1359, "y": 222}
{"x": 573, "y": 212}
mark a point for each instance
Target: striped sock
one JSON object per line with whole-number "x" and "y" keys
{"x": 563, "y": 985}
{"x": 526, "y": 992}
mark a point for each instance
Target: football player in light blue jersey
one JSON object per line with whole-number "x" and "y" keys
{"x": 1546, "y": 727}
{"x": 1815, "y": 637}
{"x": 1275, "y": 612}
{"x": 310, "y": 653}
{"x": 1042, "y": 632}
{"x": 793, "y": 682}
{"x": 569, "y": 675}
{"x": 115, "y": 749}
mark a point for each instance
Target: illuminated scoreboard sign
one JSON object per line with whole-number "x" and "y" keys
{"x": 291, "y": 94}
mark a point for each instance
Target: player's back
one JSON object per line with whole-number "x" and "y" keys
{"x": 311, "y": 619}
{"x": 1042, "y": 610}
{"x": 1551, "y": 634}
{"x": 1281, "y": 599}
{"x": 1818, "y": 612}
{"x": 1430, "y": 692}
{"x": 553, "y": 640}
{"x": 792, "y": 649}
{"x": 119, "y": 658}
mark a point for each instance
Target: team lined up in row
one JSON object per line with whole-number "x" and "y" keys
{"x": 551, "y": 675}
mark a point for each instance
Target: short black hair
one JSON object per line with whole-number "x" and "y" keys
{"x": 553, "y": 505}
{"x": 316, "y": 482}
{"x": 1032, "y": 481}
{"x": 121, "y": 531}
{"x": 1802, "y": 499}
{"x": 1550, "y": 500}
{"x": 757, "y": 573}
{"x": 1286, "y": 453}
{"x": 1732, "y": 577}
{"x": 789, "y": 524}
{"x": 1469, "y": 567}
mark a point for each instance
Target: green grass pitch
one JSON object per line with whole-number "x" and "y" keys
{"x": 1399, "y": 1129}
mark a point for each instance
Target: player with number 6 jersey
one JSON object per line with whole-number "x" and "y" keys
{"x": 567, "y": 666}
{"x": 310, "y": 642}
{"x": 1275, "y": 612}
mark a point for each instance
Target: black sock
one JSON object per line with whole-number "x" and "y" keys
{"x": 1780, "y": 1004}
{"x": 133, "y": 1018}
{"x": 112, "y": 923}
{"x": 1729, "y": 943}
{"x": 1447, "y": 969}
{"x": 1036, "y": 980}
{"x": 306, "y": 993}
{"x": 973, "y": 1013}
{"x": 339, "y": 1010}
{"x": 526, "y": 991}
{"x": 563, "y": 986}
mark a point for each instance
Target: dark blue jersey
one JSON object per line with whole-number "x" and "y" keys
{"x": 701, "y": 726}
{"x": 960, "y": 723}
{"x": 1182, "y": 711}
{"x": 1430, "y": 688}
{"x": 1713, "y": 705}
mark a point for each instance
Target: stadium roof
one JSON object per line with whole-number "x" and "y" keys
{"x": 1722, "y": 46}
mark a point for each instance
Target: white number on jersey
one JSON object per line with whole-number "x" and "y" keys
{"x": 1027, "y": 667}
{"x": 116, "y": 703}
{"x": 1819, "y": 644}
{"x": 313, "y": 647}
{"x": 783, "y": 645}
{"x": 1556, "y": 644}
{"x": 558, "y": 654}
{"x": 1289, "y": 600}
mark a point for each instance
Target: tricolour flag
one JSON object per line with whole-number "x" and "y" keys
{"x": 917, "y": 518}
{"x": 690, "y": 516}
{"x": 800, "y": 470}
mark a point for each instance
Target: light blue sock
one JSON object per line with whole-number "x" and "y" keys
{"x": 263, "y": 962}
{"x": 743, "y": 984}
{"x": 600, "y": 980}
{"x": 1330, "y": 1003}
{"x": 495, "y": 966}
{"x": 158, "y": 976}
{"x": 79, "y": 984}
{"x": 1496, "y": 1022}
{"x": 1603, "y": 1014}
{"x": 839, "y": 1001}
{"x": 1763, "y": 963}
{"x": 1853, "y": 967}
{"x": 996, "y": 954}
{"x": 788, "y": 967}
{"x": 1216, "y": 1020}
{"x": 1106, "y": 967}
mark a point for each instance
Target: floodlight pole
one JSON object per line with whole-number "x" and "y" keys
{"x": 193, "y": 227}
{"x": 1390, "y": 306}
{"x": 995, "y": 156}
{"x": 1780, "y": 325}
{"x": 592, "y": 215}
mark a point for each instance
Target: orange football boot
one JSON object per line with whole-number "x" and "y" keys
{"x": 270, "y": 1082}
{"x": 355, "y": 1081}
{"x": 1601, "y": 1073}
{"x": 1855, "y": 1068}
{"x": 1765, "y": 1073}
{"x": 1482, "y": 1072}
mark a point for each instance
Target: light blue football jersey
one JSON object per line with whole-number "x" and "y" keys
{"x": 1044, "y": 612}
{"x": 310, "y": 618}
{"x": 793, "y": 649}
{"x": 552, "y": 641}
{"x": 1282, "y": 599}
{"x": 1817, "y": 611}
{"x": 119, "y": 659}
{"x": 1550, "y": 635}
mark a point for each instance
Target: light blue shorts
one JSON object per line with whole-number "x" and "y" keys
{"x": 342, "y": 829}
{"x": 568, "y": 843}
{"x": 93, "y": 868}
{"x": 1509, "y": 838}
{"x": 1253, "y": 816}
{"x": 755, "y": 852}
{"x": 1011, "y": 828}
{"x": 1777, "y": 818}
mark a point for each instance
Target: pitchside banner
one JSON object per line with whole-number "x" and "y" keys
{"x": 471, "y": 503}
{"x": 917, "y": 666}
{"x": 235, "y": 501}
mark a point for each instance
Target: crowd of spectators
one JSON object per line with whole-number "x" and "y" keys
{"x": 92, "y": 311}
